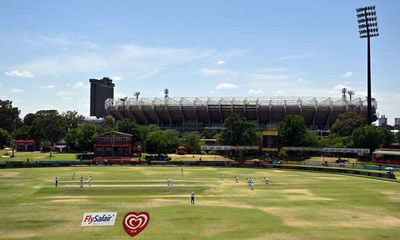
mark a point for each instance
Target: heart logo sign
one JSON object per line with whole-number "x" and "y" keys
{"x": 134, "y": 223}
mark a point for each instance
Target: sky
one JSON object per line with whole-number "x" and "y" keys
{"x": 234, "y": 48}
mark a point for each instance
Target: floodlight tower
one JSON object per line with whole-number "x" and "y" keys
{"x": 166, "y": 92}
{"x": 123, "y": 106}
{"x": 136, "y": 94}
{"x": 368, "y": 27}
{"x": 351, "y": 93}
{"x": 344, "y": 91}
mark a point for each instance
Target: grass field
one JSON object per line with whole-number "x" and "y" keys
{"x": 37, "y": 156}
{"x": 295, "y": 205}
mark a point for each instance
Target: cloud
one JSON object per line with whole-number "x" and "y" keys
{"x": 300, "y": 80}
{"x": 80, "y": 84}
{"x": 256, "y": 92}
{"x": 65, "y": 42}
{"x": 297, "y": 56}
{"x": 20, "y": 73}
{"x": 117, "y": 78}
{"x": 218, "y": 72}
{"x": 339, "y": 87}
{"x": 66, "y": 93}
{"x": 225, "y": 86}
{"x": 120, "y": 95}
{"x": 134, "y": 60}
{"x": 279, "y": 93}
{"x": 17, "y": 90}
{"x": 270, "y": 76}
{"x": 347, "y": 74}
{"x": 220, "y": 62}
{"x": 48, "y": 87}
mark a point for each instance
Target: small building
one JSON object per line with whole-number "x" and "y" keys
{"x": 25, "y": 145}
{"x": 61, "y": 146}
{"x": 114, "y": 144}
{"x": 270, "y": 142}
{"x": 182, "y": 150}
{"x": 387, "y": 155}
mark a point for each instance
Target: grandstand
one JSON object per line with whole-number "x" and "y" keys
{"x": 194, "y": 114}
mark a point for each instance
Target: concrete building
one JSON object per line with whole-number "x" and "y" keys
{"x": 196, "y": 114}
{"x": 397, "y": 121}
{"x": 382, "y": 121}
{"x": 100, "y": 91}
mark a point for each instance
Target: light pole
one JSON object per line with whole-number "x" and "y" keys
{"x": 368, "y": 27}
{"x": 136, "y": 94}
{"x": 123, "y": 106}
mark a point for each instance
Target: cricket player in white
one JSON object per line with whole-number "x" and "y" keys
{"x": 90, "y": 181}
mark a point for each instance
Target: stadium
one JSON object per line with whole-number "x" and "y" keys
{"x": 195, "y": 114}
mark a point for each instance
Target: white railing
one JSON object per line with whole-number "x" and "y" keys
{"x": 245, "y": 101}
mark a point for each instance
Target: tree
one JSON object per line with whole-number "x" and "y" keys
{"x": 161, "y": 141}
{"x": 82, "y": 138}
{"x": 191, "y": 141}
{"x": 239, "y": 131}
{"x": 388, "y": 136}
{"x": 108, "y": 121}
{"x": 48, "y": 125}
{"x": 9, "y": 116}
{"x": 293, "y": 131}
{"x": 368, "y": 136}
{"x": 72, "y": 119}
{"x": 5, "y": 138}
{"x": 72, "y": 139}
{"x": 397, "y": 137}
{"x": 23, "y": 132}
{"x": 87, "y": 137}
{"x": 346, "y": 123}
{"x": 128, "y": 126}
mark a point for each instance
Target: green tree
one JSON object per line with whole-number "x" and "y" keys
{"x": 28, "y": 119}
{"x": 9, "y": 116}
{"x": 161, "y": 141}
{"x": 48, "y": 125}
{"x": 72, "y": 139}
{"x": 128, "y": 126}
{"x": 5, "y": 138}
{"x": 72, "y": 119}
{"x": 239, "y": 131}
{"x": 82, "y": 138}
{"x": 23, "y": 132}
{"x": 397, "y": 137}
{"x": 346, "y": 123}
{"x": 108, "y": 121}
{"x": 191, "y": 141}
{"x": 368, "y": 136}
{"x": 87, "y": 137}
{"x": 293, "y": 131}
{"x": 388, "y": 136}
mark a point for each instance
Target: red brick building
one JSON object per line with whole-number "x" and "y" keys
{"x": 114, "y": 144}
{"x": 25, "y": 145}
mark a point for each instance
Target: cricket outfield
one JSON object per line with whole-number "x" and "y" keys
{"x": 294, "y": 205}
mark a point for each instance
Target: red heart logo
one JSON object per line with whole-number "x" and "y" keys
{"x": 134, "y": 223}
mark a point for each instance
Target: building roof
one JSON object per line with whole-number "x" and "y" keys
{"x": 116, "y": 132}
{"x": 387, "y": 152}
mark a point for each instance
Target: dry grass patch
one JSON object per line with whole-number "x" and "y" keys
{"x": 365, "y": 218}
{"x": 8, "y": 174}
{"x": 393, "y": 196}
{"x": 276, "y": 236}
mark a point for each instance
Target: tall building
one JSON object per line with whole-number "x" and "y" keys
{"x": 382, "y": 121}
{"x": 100, "y": 90}
{"x": 397, "y": 121}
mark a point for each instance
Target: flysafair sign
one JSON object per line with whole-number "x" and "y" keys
{"x": 99, "y": 219}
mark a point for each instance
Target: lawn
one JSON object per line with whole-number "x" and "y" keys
{"x": 295, "y": 205}
{"x": 37, "y": 156}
